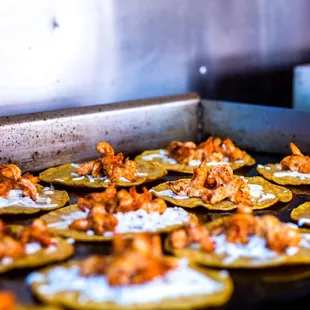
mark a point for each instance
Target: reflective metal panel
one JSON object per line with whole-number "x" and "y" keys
{"x": 40, "y": 140}
{"x": 56, "y": 54}
{"x": 257, "y": 128}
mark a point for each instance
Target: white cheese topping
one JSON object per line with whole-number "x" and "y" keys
{"x": 32, "y": 247}
{"x": 294, "y": 174}
{"x": 162, "y": 155}
{"x": 16, "y": 198}
{"x": 256, "y": 249}
{"x": 141, "y": 174}
{"x": 260, "y": 166}
{"x": 134, "y": 221}
{"x": 169, "y": 193}
{"x": 76, "y": 166}
{"x": 303, "y": 221}
{"x": 78, "y": 178}
{"x": 257, "y": 193}
{"x": 182, "y": 281}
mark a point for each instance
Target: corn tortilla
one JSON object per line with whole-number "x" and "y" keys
{"x": 281, "y": 194}
{"x": 71, "y": 299}
{"x": 267, "y": 171}
{"x": 59, "y": 198}
{"x": 63, "y": 251}
{"x": 56, "y": 216}
{"x": 301, "y": 212}
{"x": 218, "y": 260}
{"x": 62, "y": 175}
{"x": 184, "y": 168}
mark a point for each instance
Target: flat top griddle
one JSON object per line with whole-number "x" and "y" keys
{"x": 254, "y": 289}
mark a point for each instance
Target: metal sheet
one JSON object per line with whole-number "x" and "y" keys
{"x": 257, "y": 128}
{"x": 301, "y": 88}
{"x": 57, "y": 54}
{"x": 40, "y": 140}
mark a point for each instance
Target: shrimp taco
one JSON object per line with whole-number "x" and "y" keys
{"x": 217, "y": 188}
{"x": 292, "y": 170}
{"x": 150, "y": 280}
{"x": 186, "y": 156}
{"x": 25, "y": 247}
{"x": 21, "y": 194}
{"x": 109, "y": 169}
{"x": 99, "y": 216}
{"x": 301, "y": 215}
{"x": 241, "y": 240}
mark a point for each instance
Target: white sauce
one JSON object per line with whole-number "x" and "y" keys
{"x": 267, "y": 168}
{"x": 260, "y": 166}
{"x": 16, "y": 198}
{"x": 303, "y": 221}
{"x": 169, "y": 193}
{"x": 195, "y": 162}
{"x": 76, "y": 166}
{"x": 32, "y": 247}
{"x": 305, "y": 241}
{"x": 257, "y": 193}
{"x": 79, "y": 178}
{"x": 66, "y": 220}
{"x": 294, "y": 174}
{"x": 70, "y": 240}
{"x": 255, "y": 249}
{"x": 59, "y": 180}
{"x": 134, "y": 221}
{"x": 6, "y": 261}
{"x": 182, "y": 281}
{"x": 141, "y": 174}
{"x": 124, "y": 180}
{"x": 240, "y": 161}
{"x": 162, "y": 155}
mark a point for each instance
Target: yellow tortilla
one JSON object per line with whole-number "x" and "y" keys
{"x": 62, "y": 175}
{"x": 184, "y": 168}
{"x": 56, "y": 216}
{"x": 301, "y": 212}
{"x": 59, "y": 198}
{"x": 71, "y": 299}
{"x": 43, "y": 257}
{"x": 285, "y": 275}
{"x": 36, "y": 307}
{"x": 268, "y": 170}
{"x": 215, "y": 260}
{"x": 281, "y": 194}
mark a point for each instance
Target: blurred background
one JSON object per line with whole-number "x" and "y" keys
{"x": 67, "y": 53}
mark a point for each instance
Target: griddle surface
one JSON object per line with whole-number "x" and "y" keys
{"x": 254, "y": 289}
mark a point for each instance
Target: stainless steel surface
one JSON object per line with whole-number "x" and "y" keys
{"x": 38, "y": 141}
{"x": 257, "y": 128}
{"x": 301, "y": 88}
{"x": 56, "y": 54}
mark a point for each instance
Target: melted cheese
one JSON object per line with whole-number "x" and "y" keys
{"x": 169, "y": 193}
{"x": 134, "y": 221}
{"x": 162, "y": 155}
{"x": 182, "y": 281}
{"x": 256, "y": 249}
{"x": 294, "y": 174}
{"x": 303, "y": 221}
{"x": 16, "y": 198}
{"x": 257, "y": 193}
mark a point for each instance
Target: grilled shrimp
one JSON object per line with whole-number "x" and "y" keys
{"x": 10, "y": 171}
{"x": 105, "y": 148}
